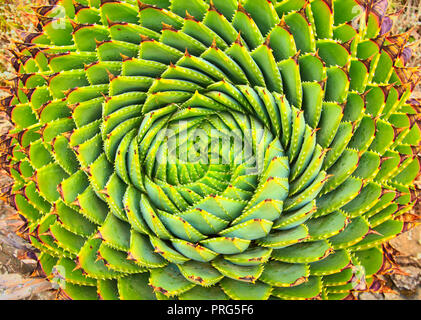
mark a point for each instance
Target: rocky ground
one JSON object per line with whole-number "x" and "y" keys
{"x": 407, "y": 287}
{"x": 16, "y": 256}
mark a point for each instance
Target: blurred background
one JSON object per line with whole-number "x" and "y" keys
{"x": 16, "y": 256}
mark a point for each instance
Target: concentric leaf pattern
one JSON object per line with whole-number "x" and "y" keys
{"x": 128, "y": 116}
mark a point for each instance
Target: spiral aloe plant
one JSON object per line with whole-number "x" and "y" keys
{"x": 219, "y": 149}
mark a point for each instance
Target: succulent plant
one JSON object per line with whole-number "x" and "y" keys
{"x": 219, "y": 149}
